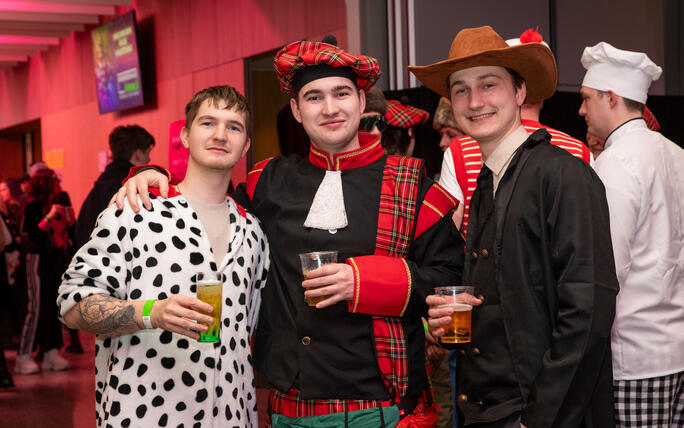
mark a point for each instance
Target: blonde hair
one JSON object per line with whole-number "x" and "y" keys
{"x": 444, "y": 115}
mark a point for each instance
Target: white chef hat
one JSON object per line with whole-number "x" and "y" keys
{"x": 628, "y": 74}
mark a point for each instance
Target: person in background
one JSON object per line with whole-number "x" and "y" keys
{"x": 6, "y": 299}
{"x": 43, "y": 221}
{"x": 11, "y": 194}
{"x": 595, "y": 144}
{"x": 64, "y": 236}
{"x": 373, "y": 118}
{"x": 130, "y": 146}
{"x": 643, "y": 173}
{"x": 444, "y": 123}
{"x": 400, "y": 138}
{"x": 538, "y": 250}
{"x": 23, "y": 180}
{"x": 12, "y": 197}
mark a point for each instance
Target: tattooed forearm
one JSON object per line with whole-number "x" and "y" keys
{"x": 107, "y": 316}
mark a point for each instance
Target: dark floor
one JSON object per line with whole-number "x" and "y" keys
{"x": 60, "y": 399}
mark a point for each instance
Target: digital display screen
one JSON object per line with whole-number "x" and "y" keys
{"x": 117, "y": 65}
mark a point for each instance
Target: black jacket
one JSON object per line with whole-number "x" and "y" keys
{"x": 340, "y": 362}
{"x": 556, "y": 278}
{"x": 105, "y": 186}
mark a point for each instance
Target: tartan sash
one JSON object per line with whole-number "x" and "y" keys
{"x": 398, "y": 201}
{"x": 396, "y": 218}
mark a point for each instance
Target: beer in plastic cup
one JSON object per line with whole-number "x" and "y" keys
{"x": 458, "y": 330}
{"x": 210, "y": 290}
{"x": 312, "y": 261}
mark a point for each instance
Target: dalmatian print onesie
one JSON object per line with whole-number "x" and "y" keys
{"x": 155, "y": 377}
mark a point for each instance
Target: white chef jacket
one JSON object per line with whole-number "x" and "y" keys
{"x": 643, "y": 173}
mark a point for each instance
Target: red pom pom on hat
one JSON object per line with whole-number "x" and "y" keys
{"x": 531, "y": 36}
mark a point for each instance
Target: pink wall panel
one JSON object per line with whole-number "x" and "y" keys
{"x": 167, "y": 23}
{"x": 231, "y": 74}
{"x": 188, "y": 44}
{"x": 218, "y": 33}
{"x": 17, "y": 106}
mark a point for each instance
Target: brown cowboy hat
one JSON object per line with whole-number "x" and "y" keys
{"x": 476, "y": 47}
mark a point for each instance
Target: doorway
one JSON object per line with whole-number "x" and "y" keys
{"x": 20, "y": 146}
{"x": 270, "y": 109}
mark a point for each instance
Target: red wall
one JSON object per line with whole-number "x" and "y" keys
{"x": 195, "y": 43}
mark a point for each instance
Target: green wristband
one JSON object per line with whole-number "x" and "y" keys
{"x": 147, "y": 311}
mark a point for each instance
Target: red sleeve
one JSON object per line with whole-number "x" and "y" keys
{"x": 437, "y": 204}
{"x": 382, "y": 285}
{"x": 172, "y": 178}
{"x": 459, "y": 164}
{"x": 253, "y": 176}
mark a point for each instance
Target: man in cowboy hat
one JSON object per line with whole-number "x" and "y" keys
{"x": 644, "y": 177}
{"x": 463, "y": 160}
{"x": 358, "y": 356}
{"x": 538, "y": 250}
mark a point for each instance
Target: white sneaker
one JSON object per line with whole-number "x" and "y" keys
{"x": 25, "y": 365}
{"x": 54, "y": 361}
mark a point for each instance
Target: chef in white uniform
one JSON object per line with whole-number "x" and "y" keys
{"x": 643, "y": 173}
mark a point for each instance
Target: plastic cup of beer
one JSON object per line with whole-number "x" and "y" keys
{"x": 312, "y": 261}
{"x": 210, "y": 290}
{"x": 458, "y": 330}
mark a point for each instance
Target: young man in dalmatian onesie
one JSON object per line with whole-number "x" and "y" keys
{"x": 153, "y": 371}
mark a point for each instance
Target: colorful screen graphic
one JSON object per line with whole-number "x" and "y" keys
{"x": 117, "y": 66}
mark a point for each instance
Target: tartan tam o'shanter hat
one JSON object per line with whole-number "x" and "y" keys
{"x": 326, "y": 60}
{"x": 404, "y": 115}
{"x": 479, "y": 47}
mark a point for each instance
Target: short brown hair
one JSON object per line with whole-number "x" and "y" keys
{"x": 216, "y": 94}
{"x": 518, "y": 80}
{"x": 634, "y": 105}
{"x": 125, "y": 140}
{"x": 375, "y": 101}
{"x": 631, "y": 105}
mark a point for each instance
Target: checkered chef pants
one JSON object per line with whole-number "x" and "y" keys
{"x": 654, "y": 402}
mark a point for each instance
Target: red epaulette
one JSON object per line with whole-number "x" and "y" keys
{"x": 437, "y": 204}
{"x": 134, "y": 170}
{"x": 253, "y": 176}
{"x": 172, "y": 191}
{"x": 241, "y": 209}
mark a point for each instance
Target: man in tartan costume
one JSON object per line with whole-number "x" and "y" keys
{"x": 358, "y": 357}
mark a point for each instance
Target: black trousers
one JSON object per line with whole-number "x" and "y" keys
{"x": 41, "y": 326}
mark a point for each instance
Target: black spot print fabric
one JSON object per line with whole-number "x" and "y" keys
{"x": 155, "y": 377}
